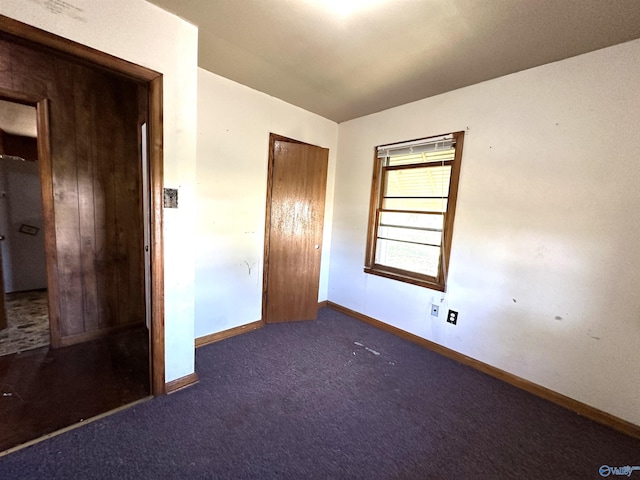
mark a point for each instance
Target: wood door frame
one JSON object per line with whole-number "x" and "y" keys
{"x": 46, "y": 189}
{"x": 154, "y": 81}
{"x": 273, "y": 138}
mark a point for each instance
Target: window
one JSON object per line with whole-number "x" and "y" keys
{"x": 413, "y": 200}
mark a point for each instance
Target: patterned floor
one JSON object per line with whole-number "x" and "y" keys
{"x": 28, "y": 322}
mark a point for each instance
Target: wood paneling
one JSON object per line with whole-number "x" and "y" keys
{"x": 6, "y": 79}
{"x": 128, "y": 196}
{"x": 64, "y": 166}
{"x": 87, "y": 152}
{"x": 95, "y": 183}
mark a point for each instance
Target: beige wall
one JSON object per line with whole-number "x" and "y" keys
{"x": 545, "y": 260}
{"x": 545, "y": 263}
{"x": 234, "y": 123}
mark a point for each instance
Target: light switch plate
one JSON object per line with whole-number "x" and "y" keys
{"x": 170, "y": 198}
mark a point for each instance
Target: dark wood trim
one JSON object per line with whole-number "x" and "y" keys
{"x": 47, "y": 40}
{"x": 267, "y": 225}
{"x": 19, "y": 97}
{"x": 181, "y": 383}
{"x": 374, "y": 202}
{"x": 396, "y": 274}
{"x": 324, "y": 303}
{"x": 74, "y": 49}
{"x": 232, "y": 332}
{"x": 156, "y": 174}
{"x": 48, "y": 221}
{"x": 580, "y": 408}
{"x": 451, "y": 208}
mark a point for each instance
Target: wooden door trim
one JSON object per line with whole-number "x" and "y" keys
{"x": 156, "y": 175}
{"x": 153, "y": 79}
{"x": 48, "y": 220}
{"x": 75, "y": 50}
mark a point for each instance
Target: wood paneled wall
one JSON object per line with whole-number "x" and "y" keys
{"x": 95, "y": 173}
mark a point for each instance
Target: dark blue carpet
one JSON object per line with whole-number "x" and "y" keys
{"x": 331, "y": 399}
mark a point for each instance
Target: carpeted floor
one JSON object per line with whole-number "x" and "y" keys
{"x": 331, "y": 399}
{"x": 28, "y": 322}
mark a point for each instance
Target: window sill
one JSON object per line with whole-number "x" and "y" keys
{"x": 421, "y": 282}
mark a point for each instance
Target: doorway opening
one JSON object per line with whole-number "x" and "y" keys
{"x": 48, "y": 386}
{"x": 24, "y": 310}
{"x": 23, "y": 36}
{"x": 107, "y": 341}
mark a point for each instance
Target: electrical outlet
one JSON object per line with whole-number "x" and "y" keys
{"x": 452, "y": 317}
{"x": 435, "y": 310}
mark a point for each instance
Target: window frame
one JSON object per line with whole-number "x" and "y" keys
{"x": 438, "y": 282}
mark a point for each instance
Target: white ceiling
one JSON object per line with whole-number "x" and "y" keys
{"x": 18, "y": 119}
{"x": 391, "y": 52}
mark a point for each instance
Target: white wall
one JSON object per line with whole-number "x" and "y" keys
{"x": 234, "y": 123}
{"x": 146, "y": 35}
{"x": 545, "y": 263}
{"x": 545, "y": 260}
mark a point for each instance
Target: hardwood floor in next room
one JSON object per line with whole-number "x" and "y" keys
{"x": 27, "y": 322}
{"x": 44, "y": 390}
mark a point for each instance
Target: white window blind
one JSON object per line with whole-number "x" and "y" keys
{"x": 432, "y": 145}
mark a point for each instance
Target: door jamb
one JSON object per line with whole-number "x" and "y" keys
{"x": 154, "y": 81}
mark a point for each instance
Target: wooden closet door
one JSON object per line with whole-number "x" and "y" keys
{"x": 299, "y": 178}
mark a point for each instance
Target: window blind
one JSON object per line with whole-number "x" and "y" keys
{"x": 436, "y": 144}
